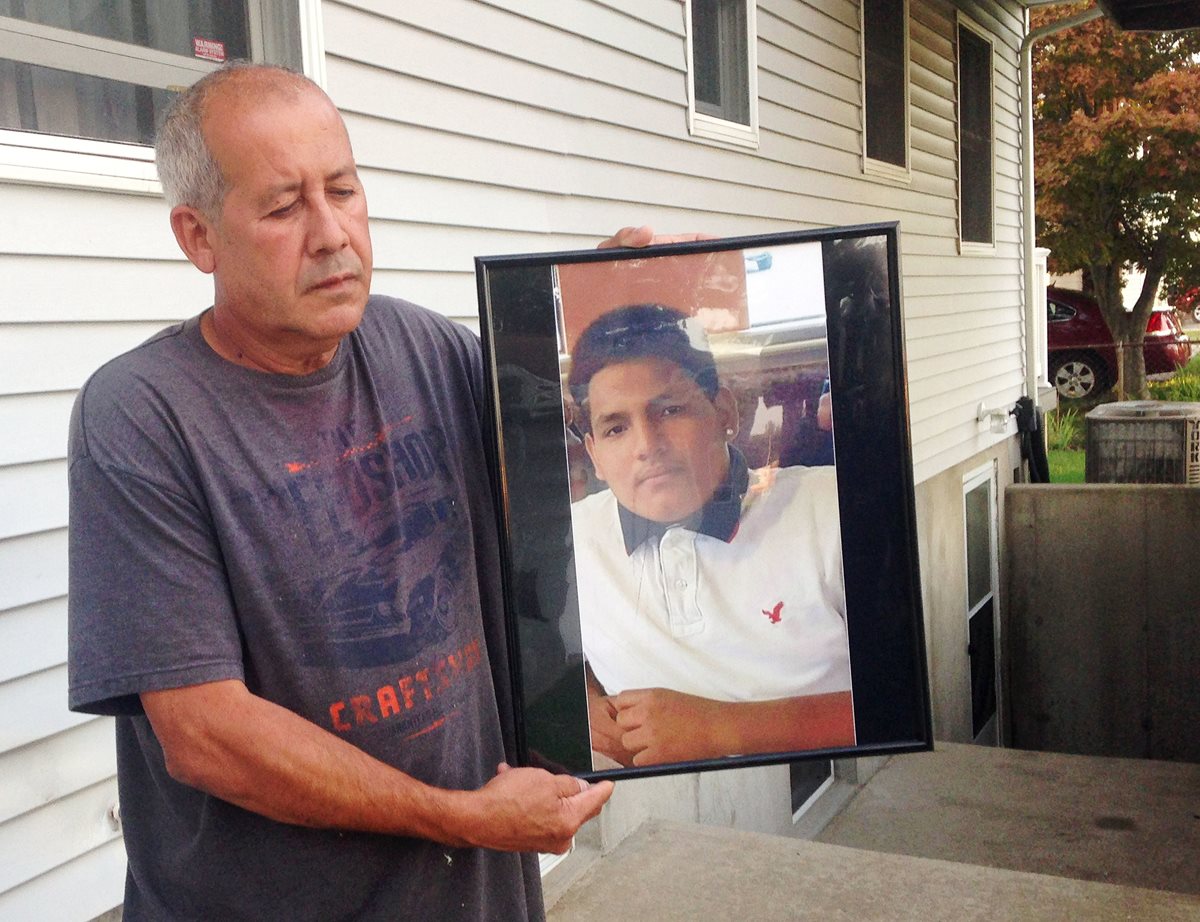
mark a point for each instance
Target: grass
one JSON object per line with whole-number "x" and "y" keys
{"x": 1066, "y": 466}
{"x": 1064, "y": 430}
{"x": 1064, "y": 445}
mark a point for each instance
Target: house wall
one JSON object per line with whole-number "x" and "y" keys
{"x": 941, "y": 540}
{"x": 487, "y": 127}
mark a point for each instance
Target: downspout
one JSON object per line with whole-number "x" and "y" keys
{"x": 1032, "y": 296}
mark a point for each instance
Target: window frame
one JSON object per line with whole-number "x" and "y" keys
{"x": 711, "y": 127}
{"x": 987, "y": 475}
{"x": 872, "y": 166}
{"x": 979, "y": 247}
{"x": 86, "y": 163}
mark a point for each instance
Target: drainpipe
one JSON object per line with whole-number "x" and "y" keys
{"x": 1033, "y": 298}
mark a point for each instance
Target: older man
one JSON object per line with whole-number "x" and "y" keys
{"x": 284, "y": 575}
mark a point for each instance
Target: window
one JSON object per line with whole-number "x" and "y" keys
{"x": 975, "y": 168}
{"x": 809, "y": 780}
{"x": 723, "y": 85}
{"x": 1056, "y": 311}
{"x": 84, "y": 83}
{"x": 979, "y": 515}
{"x": 885, "y": 87}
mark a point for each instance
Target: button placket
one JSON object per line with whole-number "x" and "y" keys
{"x": 679, "y": 569}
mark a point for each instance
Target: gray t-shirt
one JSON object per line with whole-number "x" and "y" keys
{"x": 330, "y": 540}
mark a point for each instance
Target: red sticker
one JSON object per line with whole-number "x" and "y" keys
{"x": 208, "y": 49}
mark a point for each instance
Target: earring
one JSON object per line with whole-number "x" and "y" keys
{"x": 729, "y": 432}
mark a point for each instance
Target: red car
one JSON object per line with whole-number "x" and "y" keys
{"x": 1188, "y": 303}
{"x": 1083, "y": 357}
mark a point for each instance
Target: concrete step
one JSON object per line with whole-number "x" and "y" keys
{"x": 961, "y": 833}
{"x": 1123, "y": 821}
{"x": 681, "y": 873}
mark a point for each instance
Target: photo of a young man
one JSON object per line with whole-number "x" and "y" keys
{"x": 711, "y": 596}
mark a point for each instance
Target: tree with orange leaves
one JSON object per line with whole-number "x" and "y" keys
{"x": 1117, "y": 168}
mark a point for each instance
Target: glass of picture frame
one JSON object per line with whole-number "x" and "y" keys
{"x": 703, "y": 475}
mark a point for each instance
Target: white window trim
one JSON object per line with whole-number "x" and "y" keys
{"x": 701, "y": 125}
{"x": 974, "y": 247}
{"x": 988, "y": 474}
{"x": 798, "y": 813}
{"x": 82, "y": 163}
{"x": 870, "y": 166}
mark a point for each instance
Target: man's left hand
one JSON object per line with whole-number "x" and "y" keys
{"x": 644, "y": 236}
{"x": 659, "y": 725}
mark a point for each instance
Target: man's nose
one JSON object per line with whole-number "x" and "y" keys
{"x": 647, "y": 439}
{"x": 326, "y": 234}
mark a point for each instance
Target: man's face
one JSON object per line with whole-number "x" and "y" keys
{"x": 290, "y": 250}
{"x": 656, "y": 438}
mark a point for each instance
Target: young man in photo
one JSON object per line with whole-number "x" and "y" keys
{"x": 711, "y": 597}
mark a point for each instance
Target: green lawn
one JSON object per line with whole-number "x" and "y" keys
{"x": 1066, "y": 466}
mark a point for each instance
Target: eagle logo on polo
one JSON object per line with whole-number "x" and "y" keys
{"x": 774, "y": 615}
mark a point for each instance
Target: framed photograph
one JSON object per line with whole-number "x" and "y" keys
{"x": 704, "y": 482}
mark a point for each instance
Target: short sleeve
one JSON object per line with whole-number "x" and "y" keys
{"x": 149, "y": 604}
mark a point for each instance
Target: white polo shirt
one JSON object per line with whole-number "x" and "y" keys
{"x": 761, "y": 616}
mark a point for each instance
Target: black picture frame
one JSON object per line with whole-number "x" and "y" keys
{"x": 848, "y": 310}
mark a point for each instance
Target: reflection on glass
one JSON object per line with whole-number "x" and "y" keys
{"x": 165, "y": 25}
{"x": 51, "y": 101}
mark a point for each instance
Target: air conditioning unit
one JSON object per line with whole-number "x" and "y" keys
{"x": 1144, "y": 441}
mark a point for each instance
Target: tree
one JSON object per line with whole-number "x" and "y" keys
{"x": 1117, "y": 169}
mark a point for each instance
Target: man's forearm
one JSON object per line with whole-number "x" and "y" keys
{"x": 787, "y": 724}
{"x": 660, "y": 725}
{"x": 276, "y": 763}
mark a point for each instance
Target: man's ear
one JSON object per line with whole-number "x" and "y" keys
{"x": 193, "y": 233}
{"x": 727, "y": 412}
{"x": 589, "y": 442}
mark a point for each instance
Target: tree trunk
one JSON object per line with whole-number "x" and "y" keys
{"x": 1129, "y": 336}
{"x": 1128, "y": 327}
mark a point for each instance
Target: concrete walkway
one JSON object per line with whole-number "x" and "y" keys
{"x": 962, "y": 833}
{"x": 685, "y": 873}
{"x": 1124, "y": 821}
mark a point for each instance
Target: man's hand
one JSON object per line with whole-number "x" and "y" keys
{"x": 602, "y": 717}
{"x": 531, "y": 810}
{"x": 274, "y": 762}
{"x": 659, "y": 725}
{"x": 644, "y": 236}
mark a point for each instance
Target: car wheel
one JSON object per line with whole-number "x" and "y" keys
{"x": 1076, "y": 376}
{"x": 1196, "y": 311}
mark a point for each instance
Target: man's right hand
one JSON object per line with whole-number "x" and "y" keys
{"x": 531, "y": 810}
{"x": 274, "y": 762}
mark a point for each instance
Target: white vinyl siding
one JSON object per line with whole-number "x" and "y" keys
{"x": 90, "y": 269}
{"x": 514, "y": 127}
{"x": 92, "y": 274}
{"x": 481, "y": 128}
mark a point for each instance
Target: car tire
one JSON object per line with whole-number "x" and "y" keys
{"x": 1196, "y": 311}
{"x": 1077, "y": 375}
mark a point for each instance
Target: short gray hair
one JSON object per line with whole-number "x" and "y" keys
{"x": 188, "y": 170}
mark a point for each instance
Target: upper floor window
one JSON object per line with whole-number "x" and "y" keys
{"x": 975, "y": 147}
{"x": 85, "y": 83}
{"x": 885, "y": 86}
{"x": 723, "y": 88}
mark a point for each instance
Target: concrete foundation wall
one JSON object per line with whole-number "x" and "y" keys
{"x": 1104, "y": 612}
{"x": 941, "y": 541}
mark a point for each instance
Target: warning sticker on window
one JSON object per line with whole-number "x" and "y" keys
{"x": 208, "y": 49}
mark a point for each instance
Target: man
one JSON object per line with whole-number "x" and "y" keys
{"x": 711, "y": 597}
{"x": 283, "y": 571}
